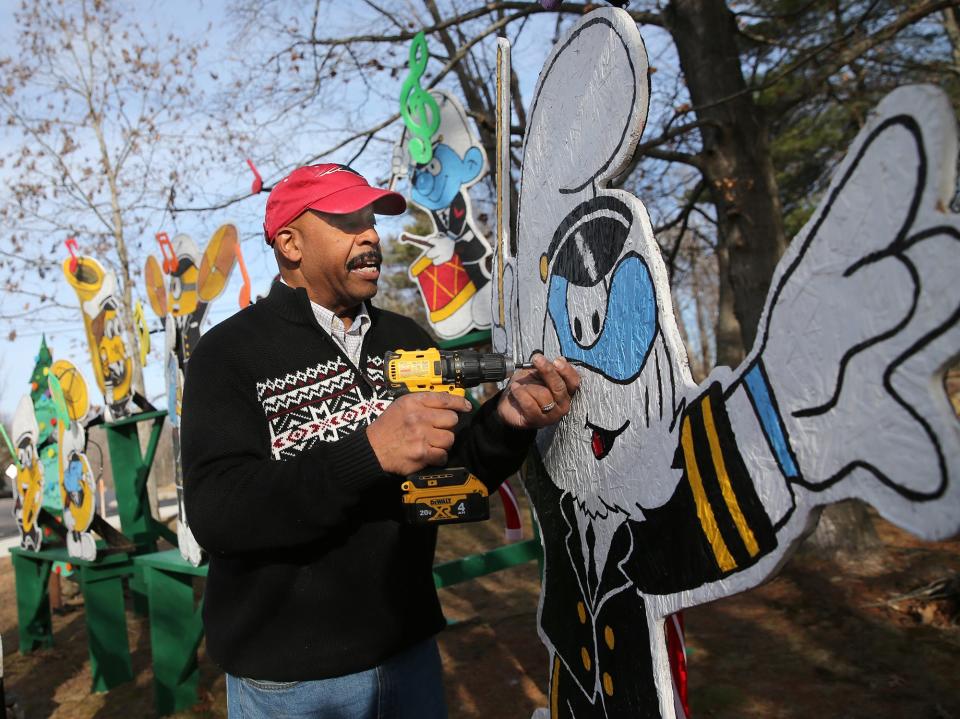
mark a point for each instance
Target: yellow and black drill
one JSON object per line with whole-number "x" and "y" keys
{"x": 445, "y": 495}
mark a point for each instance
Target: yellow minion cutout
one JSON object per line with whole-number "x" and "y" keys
{"x": 195, "y": 281}
{"x": 112, "y": 362}
{"x": 183, "y": 296}
{"x": 29, "y": 478}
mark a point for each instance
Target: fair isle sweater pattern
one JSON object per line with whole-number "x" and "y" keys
{"x": 322, "y": 403}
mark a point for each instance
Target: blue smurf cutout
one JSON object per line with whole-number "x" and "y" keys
{"x": 453, "y": 271}
{"x": 436, "y": 184}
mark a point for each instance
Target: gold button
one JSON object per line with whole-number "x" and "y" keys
{"x": 585, "y": 656}
{"x": 608, "y": 684}
{"x": 544, "y": 268}
{"x": 608, "y": 636}
{"x": 582, "y": 612}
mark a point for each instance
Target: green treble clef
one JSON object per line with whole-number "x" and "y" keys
{"x": 419, "y": 110}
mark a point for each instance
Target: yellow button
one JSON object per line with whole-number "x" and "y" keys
{"x": 608, "y": 684}
{"x": 608, "y": 636}
{"x": 544, "y": 268}
{"x": 585, "y": 656}
{"x": 582, "y": 612}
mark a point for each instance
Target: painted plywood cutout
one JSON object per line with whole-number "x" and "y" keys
{"x": 29, "y": 475}
{"x": 655, "y": 494}
{"x": 453, "y": 271}
{"x": 112, "y": 360}
{"x": 76, "y": 479}
{"x": 43, "y": 407}
{"x": 182, "y": 304}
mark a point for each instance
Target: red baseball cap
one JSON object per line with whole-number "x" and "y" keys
{"x": 331, "y": 188}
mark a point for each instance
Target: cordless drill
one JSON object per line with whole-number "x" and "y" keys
{"x": 444, "y": 495}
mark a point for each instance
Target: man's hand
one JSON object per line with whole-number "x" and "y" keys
{"x": 416, "y": 431}
{"x": 539, "y": 397}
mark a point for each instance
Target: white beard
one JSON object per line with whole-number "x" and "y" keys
{"x": 636, "y": 472}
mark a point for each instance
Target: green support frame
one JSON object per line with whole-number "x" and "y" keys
{"x": 176, "y": 628}
{"x": 33, "y": 604}
{"x": 131, "y": 470}
{"x": 477, "y": 565}
{"x": 101, "y": 581}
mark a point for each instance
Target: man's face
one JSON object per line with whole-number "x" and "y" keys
{"x": 340, "y": 257}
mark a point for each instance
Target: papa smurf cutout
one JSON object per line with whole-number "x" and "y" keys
{"x": 453, "y": 272}
{"x": 657, "y": 494}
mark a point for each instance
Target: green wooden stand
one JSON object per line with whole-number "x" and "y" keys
{"x": 101, "y": 581}
{"x": 477, "y": 565}
{"x": 176, "y": 628}
{"x": 33, "y": 603}
{"x": 131, "y": 470}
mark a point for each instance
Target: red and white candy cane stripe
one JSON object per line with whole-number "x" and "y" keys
{"x": 677, "y": 651}
{"x": 511, "y": 511}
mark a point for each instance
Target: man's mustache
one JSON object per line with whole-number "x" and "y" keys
{"x": 373, "y": 256}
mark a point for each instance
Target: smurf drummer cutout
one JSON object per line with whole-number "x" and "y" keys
{"x": 654, "y": 493}
{"x": 453, "y": 272}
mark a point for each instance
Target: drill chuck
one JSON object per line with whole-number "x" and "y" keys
{"x": 468, "y": 368}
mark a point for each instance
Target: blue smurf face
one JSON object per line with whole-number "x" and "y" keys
{"x": 601, "y": 300}
{"x": 438, "y": 182}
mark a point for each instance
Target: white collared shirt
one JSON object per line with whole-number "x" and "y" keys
{"x": 350, "y": 340}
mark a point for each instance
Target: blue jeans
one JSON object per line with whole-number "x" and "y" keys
{"x": 407, "y": 686}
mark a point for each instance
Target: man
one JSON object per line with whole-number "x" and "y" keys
{"x": 320, "y": 600}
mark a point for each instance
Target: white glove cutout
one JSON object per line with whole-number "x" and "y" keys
{"x": 864, "y": 319}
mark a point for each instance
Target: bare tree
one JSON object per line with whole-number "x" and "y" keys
{"x": 99, "y": 112}
{"x": 734, "y": 77}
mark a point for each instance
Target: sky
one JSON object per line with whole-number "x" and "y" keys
{"x": 67, "y": 339}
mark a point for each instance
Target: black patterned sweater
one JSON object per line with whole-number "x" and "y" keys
{"x": 312, "y": 572}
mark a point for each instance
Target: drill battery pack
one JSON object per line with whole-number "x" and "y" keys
{"x": 444, "y": 496}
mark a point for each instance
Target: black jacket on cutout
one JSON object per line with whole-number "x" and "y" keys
{"x": 312, "y": 572}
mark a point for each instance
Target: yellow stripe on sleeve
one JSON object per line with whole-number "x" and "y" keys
{"x": 705, "y": 513}
{"x": 725, "y": 487}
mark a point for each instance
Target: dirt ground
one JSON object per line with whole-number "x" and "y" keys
{"x": 821, "y": 640}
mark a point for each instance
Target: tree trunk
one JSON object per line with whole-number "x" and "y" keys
{"x": 703, "y": 310}
{"x": 951, "y": 24}
{"x": 844, "y": 529}
{"x": 736, "y": 158}
{"x": 729, "y": 341}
